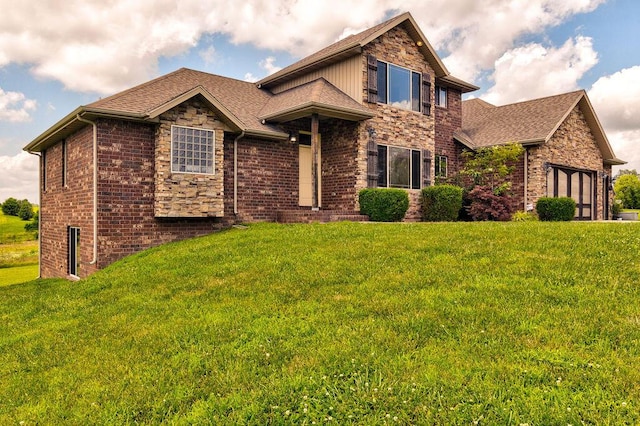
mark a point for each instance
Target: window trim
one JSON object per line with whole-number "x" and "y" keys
{"x": 43, "y": 157}
{"x": 412, "y": 173}
{"x": 438, "y": 166}
{"x": 385, "y": 90}
{"x": 213, "y": 151}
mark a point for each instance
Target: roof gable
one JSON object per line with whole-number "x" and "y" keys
{"x": 353, "y": 44}
{"x": 528, "y": 123}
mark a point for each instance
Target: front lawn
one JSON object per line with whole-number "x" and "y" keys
{"x": 456, "y": 323}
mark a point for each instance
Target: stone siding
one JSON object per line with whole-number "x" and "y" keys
{"x": 188, "y": 194}
{"x": 395, "y": 126}
{"x": 574, "y": 146}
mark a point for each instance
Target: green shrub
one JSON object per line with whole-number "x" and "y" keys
{"x": 521, "y": 216}
{"x": 384, "y": 205}
{"x": 556, "y": 209}
{"x": 441, "y": 203}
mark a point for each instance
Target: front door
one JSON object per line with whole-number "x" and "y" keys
{"x": 305, "y": 175}
{"x": 576, "y": 184}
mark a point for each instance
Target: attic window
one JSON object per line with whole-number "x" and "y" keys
{"x": 192, "y": 150}
{"x": 399, "y": 86}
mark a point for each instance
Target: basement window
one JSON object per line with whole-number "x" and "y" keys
{"x": 192, "y": 150}
{"x": 73, "y": 234}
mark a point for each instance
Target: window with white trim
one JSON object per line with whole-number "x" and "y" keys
{"x": 399, "y": 167}
{"x": 192, "y": 150}
{"x": 441, "y": 166}
{"x": 399, "y": 86}
{"x": 441, "y": 96}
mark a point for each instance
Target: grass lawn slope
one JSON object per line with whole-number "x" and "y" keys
{"x": 18, "y": 251}
{"x": 466, "y": 323}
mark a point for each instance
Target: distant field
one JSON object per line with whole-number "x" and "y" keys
{"x": 18, "y": 251}
{"x": 437, "y": 324}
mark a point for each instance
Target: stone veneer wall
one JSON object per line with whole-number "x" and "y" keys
{"x": 395, "y": 126}
{"x": 188, "y": 194}
{"x": 574, "y": 146}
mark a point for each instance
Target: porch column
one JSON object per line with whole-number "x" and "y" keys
{"x": 314, "y": 161}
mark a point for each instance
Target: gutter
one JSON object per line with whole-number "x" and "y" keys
{"x": 235, "y": 172}
{"x": 95, "y": 187}
{"x": 39, "y": 211}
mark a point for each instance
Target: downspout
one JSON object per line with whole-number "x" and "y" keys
{"x": 39, "y": 211}
{"x": 95, "y": 187}
{"x": 235, "y": 173}
{"x": 526, "y": 178}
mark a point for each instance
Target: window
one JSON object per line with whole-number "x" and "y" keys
{"x": 64, "y": 163}
{"x": 441, "y": 96}
{"x": 192, "y": 150}
{"x": 398, "y": 167}
{"x": 74, "y": 250}
{"x": 399, "y": 86}
{"x": 441, "y": 166}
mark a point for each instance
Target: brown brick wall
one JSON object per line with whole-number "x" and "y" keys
{"x": 339, "y": 164}
{"x": 70, "y": 205}
{"x": 267, "y": 178}
{"x": 395, "y": 126}
{"x": 447, "y": 121}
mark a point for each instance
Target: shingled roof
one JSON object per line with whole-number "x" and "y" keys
{"x": 528, "y": 123}
{"x": 318, "y": 96}
{"x": 353, "y": 44}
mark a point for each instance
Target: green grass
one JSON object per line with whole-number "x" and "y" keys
{"x": 18, "y": 252}
{"x": 12, "y": 230}
{"x": 457, "y": 323}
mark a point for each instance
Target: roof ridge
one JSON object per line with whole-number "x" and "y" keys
{"x": 575, "y": 92}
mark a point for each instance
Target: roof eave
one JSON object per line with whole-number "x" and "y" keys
{"x": 614, "y": 162}
{"x": 456, "y": 83}
{"x": 285, "y": 75}
{"x": 322, "y": 109}
{"x": 70, "y": 124}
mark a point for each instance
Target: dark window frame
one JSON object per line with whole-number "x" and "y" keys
{"x": 414, "y": 169}
{"x": 384, "y": 86}
{"x": 440, "y": 170}
{"x": 441, "y": 96}
{"x": 73, "y": 251}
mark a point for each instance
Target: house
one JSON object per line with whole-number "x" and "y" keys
{"x": 190, "y": 152}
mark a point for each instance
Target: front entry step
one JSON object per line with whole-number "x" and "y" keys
{"x": 309, "y": 216}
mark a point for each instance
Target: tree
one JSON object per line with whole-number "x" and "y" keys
{"x": 491, "y": 166}
{"x": 489, "y": 197}
{"x": 25, "y": 212}
{"x": 11, "y": 207}
{"x": 627, "y": 189}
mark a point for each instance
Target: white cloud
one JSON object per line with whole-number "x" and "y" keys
{"x": 250, "y": 78}
{"x": 616, "y": 99}
{"x": 267, "y": 64}
{"x": 93, "y": 46}
{"x": 19, "y": 177}
{"x": 533, "y": 71}
{"x": 476, "y": 34}
{"x": 208, "y": 55}
{"x": 15, "y": 107}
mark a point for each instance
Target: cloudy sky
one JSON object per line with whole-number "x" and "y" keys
{"x": 56, "y": 56}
